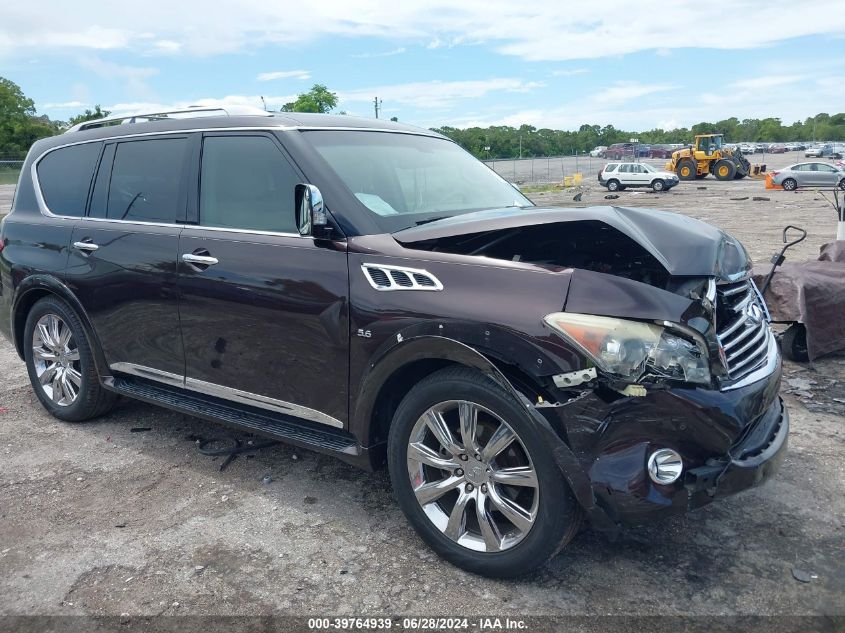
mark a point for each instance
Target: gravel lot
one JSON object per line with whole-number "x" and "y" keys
{"x": 99, "y": 519}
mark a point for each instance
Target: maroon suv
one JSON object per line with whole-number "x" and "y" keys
{"x": 371, "y": 291}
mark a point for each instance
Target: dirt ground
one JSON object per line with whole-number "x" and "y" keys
{"x": 123, "y": 515}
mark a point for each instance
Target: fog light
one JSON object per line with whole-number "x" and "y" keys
{"x": 665, "y": 466}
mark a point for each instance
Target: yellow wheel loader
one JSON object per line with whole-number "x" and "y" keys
{"x": 708, "y": 156}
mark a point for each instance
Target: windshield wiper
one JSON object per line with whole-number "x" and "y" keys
{"x": 427, "y": 220}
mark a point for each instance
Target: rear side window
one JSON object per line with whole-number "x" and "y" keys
{"x": 145, "y": 180}
{"x": 246, "y": 183}
{"x": 65, "y": 176}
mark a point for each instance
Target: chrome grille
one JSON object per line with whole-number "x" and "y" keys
{"x": 742, "y": 327}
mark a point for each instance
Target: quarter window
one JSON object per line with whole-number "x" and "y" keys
{"x": 246, "y": 183}
{"x": 145, "y": 180}
{"x": 65, "y": 176}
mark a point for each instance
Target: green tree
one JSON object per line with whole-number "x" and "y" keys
{"x": 19, "y": 125}
{"x": 318, "y": 99}
{"x": 89, "y": 115}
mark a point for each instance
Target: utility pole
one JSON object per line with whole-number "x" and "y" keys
{"x": 264, "y": 103}
{"x": 377, "y": 104}
{"x": 520, "y": 145}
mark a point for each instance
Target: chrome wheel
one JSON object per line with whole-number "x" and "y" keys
{"x": 472, "y": 476}
{"x": 56, "y": 360}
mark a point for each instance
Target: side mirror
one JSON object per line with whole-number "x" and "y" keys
{"x": 311, "y": 217}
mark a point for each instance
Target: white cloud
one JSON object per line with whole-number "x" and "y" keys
{"x": 284, "y": 74}
{"x": 436, "y": 94}
{"x": 541, "y": 30}
{"x": 624, "y": 91}
{"x": 390, "y": 53}
{"x": 761, "y": 83}
{"x": 66, "y": 105}
{"x": 135, "y": 77}
{"x": 570, "y": 72}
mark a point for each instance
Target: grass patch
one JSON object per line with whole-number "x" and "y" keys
{"x": 540, "y": 188}
{"x": 9, "y": 176}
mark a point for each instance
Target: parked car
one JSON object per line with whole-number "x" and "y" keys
{"x": 777, "y": 149}
{"x": 809, "y": 175}
{"x": 618, "y": 176}
{"x": 598, "y": 151}
{"x": 660, "y": 151}
{"x": 369, "y": 290}
{"x": 827, "y": 150}
{"x": 748, "y": 148}
{"x": 617, "y": 151}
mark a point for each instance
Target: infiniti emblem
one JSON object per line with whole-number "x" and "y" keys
{"x": 754, "y": 313}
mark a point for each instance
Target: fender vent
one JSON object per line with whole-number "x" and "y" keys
{"x": 383, "y": 277}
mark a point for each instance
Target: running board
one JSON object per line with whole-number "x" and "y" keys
{"x": 267, "y": 423}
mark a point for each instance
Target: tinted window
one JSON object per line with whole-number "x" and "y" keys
{"x": 65, "y": 176}
{"x": 246, "y": 183}
{"x": 145, "y": 180}
{"x": 610, "y": 167}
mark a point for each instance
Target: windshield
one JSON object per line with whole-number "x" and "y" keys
{"x": 405, "y": 179}
{"x": 648, "y": 167}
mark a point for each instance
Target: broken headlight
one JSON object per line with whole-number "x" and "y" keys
{"x": 633, "y": 349}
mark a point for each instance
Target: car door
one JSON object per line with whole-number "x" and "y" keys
{"x": 263, "y": 311}
{"x": 828, "y": 176}
{"x": 122, "y": 262}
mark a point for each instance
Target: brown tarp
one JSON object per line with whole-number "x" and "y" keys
{"x": 812, "y": 293}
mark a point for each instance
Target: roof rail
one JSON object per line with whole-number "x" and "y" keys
{"x": 182, "y": 113}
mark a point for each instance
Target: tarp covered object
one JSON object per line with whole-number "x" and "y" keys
{"x": 812, "y": 293}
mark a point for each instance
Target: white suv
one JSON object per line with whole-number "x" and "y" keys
{"x": 617, "y": 176}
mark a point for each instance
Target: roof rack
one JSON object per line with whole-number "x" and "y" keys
{"x": 182, "y": 113}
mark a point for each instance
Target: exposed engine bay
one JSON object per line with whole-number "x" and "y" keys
{"x": 586, "y": 244}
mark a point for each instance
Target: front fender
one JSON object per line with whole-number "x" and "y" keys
{"x": 405, "y": 351}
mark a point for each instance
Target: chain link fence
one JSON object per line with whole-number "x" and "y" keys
{"x": 10, "y": 169}
{"x": 552, "y": 169}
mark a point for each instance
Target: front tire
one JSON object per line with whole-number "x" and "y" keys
{"x": 61, "y": 365}
{"x": 686, "y": 169}
{"x": 475, "y": 477}
{"x": 842, "y": 184}
{"x": 658, "y": 185}
{"x": 724, "y": 169}
{"x": 790, "y": 184}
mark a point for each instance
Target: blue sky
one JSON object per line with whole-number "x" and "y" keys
{"x": 635, "y": 65}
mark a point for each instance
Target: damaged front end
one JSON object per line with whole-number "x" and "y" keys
{"x": 673, "y": 400}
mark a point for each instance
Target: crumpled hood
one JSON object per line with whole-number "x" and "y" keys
{"x": 683, "y": 245}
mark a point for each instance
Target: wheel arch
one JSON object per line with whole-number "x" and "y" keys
{"x": 37, "y": 287}
{"x": 402, "y": 366}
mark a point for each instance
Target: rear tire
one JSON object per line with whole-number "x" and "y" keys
{"x": 613, "y": 185}
{"x": 61, "y": 365}
{"x": 686, "y": 169}
{"x": 469, "y": 524}
{"x": 793, "y": 343}
{"x": 790, "y": 184}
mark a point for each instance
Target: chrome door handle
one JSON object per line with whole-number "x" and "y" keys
{"x": 88, "y": 247}
{"x": 202, "y": 260}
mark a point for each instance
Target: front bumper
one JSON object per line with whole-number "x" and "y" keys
{"x": 730, "y": 440}
{"x": 751, "y": 461}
